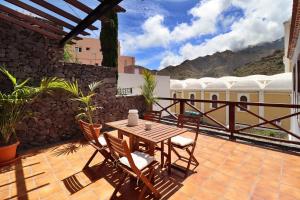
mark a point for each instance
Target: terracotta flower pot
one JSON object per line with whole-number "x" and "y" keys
{"x": 8, "y": 153}
{"x": 97, "y": 128}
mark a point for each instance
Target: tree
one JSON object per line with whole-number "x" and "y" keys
{"x": 109, "y": 39}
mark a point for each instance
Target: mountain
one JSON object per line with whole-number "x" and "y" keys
{"x": 226, "y": 63}
{"x": 268, "y": 65}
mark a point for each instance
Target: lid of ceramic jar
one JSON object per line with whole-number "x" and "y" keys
{"x": 133, "y": 111}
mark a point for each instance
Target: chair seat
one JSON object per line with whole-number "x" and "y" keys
{"x": 101, "y": 140}
{"x": 140, "y": 159}
{"x": 181, "y": 141}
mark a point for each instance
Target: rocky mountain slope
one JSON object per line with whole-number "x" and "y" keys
{"x": 264, "y": 58}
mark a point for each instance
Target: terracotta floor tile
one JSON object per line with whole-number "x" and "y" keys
{"x": 227, "y": 171}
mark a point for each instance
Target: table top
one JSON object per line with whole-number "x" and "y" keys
{"x": 158, "y": 133}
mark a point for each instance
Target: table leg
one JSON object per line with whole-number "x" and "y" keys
{"x": 169, "y": 156}
{"x": 162, "y": 160}
{"x": 131, "y": 143}
{"x": 120, "y": 134}
{"x": 151, "y": 149}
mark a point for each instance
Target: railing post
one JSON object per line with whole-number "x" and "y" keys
{"x": 231, "y": 119}
{"x": 182, "y": 103}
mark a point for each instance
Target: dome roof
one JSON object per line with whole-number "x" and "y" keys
{"x": 218, "y": 85}
{"x": 176, "y": 84}
{"x": 254, "y": 82}
{"x": 280, "y": 84}
{"x": 247, "y": 84}
{"x": 193, "y": 84}
{"x": 287, "y": 75}
{"x": 207, "y": 79}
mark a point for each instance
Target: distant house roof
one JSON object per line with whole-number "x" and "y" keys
{"x": 218, "y": 85}
{"x": 249, "y": 83}
{"x": 295, "y": 28}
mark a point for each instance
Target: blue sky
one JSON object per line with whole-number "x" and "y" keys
{"x": 160, "y": 33}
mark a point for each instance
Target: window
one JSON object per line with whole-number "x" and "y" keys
{"x": 214, "y": 97}
{"x": 88, "y": 48}
{"x": 243, "y": 98}
{"x": 192, "y": 97}
{"x": 78, "y": 49}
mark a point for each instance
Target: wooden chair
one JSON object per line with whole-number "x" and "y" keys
{"x": 154, "y": 116}
{"x": 184, "y": 143}
{"x": 135, "y": 164}
{"x": 99, "y": 143}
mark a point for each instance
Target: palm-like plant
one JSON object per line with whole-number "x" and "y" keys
{"x": 87, "y": 107}
{"x": 148, "y": 87}
{"x": 12, "y": 105}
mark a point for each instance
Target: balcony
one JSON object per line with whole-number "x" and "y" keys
{"x": 228, "y": 170}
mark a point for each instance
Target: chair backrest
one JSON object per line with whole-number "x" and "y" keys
{"x": 119, "y": 148}
{"x": 154, "y": 116}
{"x": 189, "y": 121}
{"x": 89, "y": 133}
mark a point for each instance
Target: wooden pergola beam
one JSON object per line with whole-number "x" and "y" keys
{"x": 91, "y": 18}
{"x": 44, "y": 15}
{"x": 31, "y": 20}
{"x": 61, "y": 12}
{"x": 117, "y": 8}
{"x": 30, "y": 27}
{"x": 82, "y": 7}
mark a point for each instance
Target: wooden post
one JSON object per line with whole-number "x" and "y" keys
{"x": 232, "y": 119}
{"x": 182, "y": 106}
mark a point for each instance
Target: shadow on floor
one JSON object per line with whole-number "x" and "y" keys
{"x": 166, "y": 185}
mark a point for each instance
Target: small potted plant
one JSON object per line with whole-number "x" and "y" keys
{"x": 87, "y": 106}
{"x": 148, "y": 89}
{"x": 13, "y": 110}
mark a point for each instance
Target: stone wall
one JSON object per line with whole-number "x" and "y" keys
{"x": 29, "y": 55}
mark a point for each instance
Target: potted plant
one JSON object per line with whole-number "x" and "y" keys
{"x": 13, "y": 110}
{"x": 87, "y": 106}
{"x": 148, "y": 88}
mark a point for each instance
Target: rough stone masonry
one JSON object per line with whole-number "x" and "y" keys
{"x": 27, "y": 54}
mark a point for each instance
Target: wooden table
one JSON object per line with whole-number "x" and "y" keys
{"x": 158, "y": 134}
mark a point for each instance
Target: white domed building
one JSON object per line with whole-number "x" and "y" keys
{"x": 255, "y": 88}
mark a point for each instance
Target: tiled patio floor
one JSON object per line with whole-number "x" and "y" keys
{"x": 227, "y": 170}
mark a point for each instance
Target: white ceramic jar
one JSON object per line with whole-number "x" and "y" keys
{"x": 133, "y": 117}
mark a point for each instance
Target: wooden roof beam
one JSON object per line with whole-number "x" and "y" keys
{"x": 34, "y": 21}
{"x": 117, "y": 8}
{"x": 30, "y": 27}
{"x": 43, "y": 14}
{"x": 61, "y": 12}
{"x": 83, "y": 7}
{"x": 98, "y": 12}
{"x": 31, "y": 20}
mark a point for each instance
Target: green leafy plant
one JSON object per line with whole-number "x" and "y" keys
{"x": 12, "y": 104}
{"x": 148, "y": 87}
{"x": 87, "y": 106}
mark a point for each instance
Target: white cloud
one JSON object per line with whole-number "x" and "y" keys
{"x": 204, "y": 20}
{"x": 262, "y": 23}
{"x": 155, "y": 34}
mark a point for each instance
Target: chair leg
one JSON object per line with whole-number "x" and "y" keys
{"x": 177, "y": 154}
{"x": 193, "y": 157}
{"x": 148, "y": 185}
{"x": 122, "y": 179}
{"x": 190, "y": 160}
{"x": 90, "y": 160}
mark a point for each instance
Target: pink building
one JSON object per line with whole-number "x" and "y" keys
{"x": 88, "y": 51}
